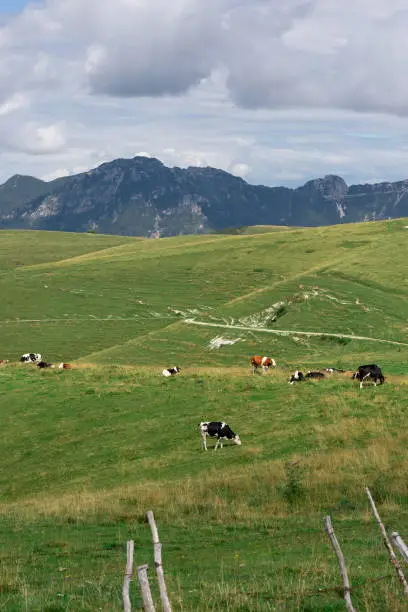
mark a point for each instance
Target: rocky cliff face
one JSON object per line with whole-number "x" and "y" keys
{"x": 143, "y": 197}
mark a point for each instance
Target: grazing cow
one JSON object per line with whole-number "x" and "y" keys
{"x": 65, "y": 366}
{"x": 298, "y": 376}
{"x": 44, "y": 364}
{"x": 220, "y": 430}
{"x": 257, "y": 361}
{"x": 171, "y": 371}
{"x": 30, "y": 358}
{"x": 366, "y": 373}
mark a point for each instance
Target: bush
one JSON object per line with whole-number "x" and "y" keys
{"x": 334, "y": 339}
{"x": 293, "y": 489}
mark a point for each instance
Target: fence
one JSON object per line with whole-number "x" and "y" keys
{"x": 142, "y": 570}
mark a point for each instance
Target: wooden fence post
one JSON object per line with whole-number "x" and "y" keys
{"x": 128, "y": 575}
{"x": 158, "y": 562}
{"x": 336, "y": 546}
{"x": 387, "y": 543}
{"x": 400, "y": 544}
{"x": 145, "y": 588}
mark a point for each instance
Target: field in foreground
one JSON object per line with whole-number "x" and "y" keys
{"x": 86, "y": 452}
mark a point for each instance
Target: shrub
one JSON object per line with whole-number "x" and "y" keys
{"x": 293, "y": 489}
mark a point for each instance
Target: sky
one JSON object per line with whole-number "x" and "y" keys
{"x": 275, "y": 91}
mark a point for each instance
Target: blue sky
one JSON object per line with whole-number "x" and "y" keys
{"x": 12, "y": 6}
{"x": 276, "y": 91}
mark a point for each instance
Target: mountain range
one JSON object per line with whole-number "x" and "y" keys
{"x": 143, "y": 197}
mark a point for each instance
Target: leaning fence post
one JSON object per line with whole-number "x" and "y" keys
{"x": 334, "y": 542}
{"x": 400, "y": 544}
{"x": 128, "y": 575}
{"x": 148, "y": 604}
{"x": 387, "y": 543}
{"x": 158, "y": 562}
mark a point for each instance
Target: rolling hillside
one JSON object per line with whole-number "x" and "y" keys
{"x": 115, "y": 299}
{"x": 86, "y": 452}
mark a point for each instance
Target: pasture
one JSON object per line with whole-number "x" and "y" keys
{"x": 86, "y": 452}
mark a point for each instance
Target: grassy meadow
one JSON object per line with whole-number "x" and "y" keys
{"x": 85, "y": 452}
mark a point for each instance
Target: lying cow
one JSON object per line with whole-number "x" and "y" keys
{"x": 171, "y": 371}
{"x": 257, "y": 361}
{"x": 334, "y": 371}
{"x": 365, "y": 373}
{"x": 44, "y": 364}
{"x": 220, "y": 430}
{"x": 3, "y": 361}
{"x": 299, "y": 376}
{"x": 30, "y": 358}
{"x": 65, "y": 366}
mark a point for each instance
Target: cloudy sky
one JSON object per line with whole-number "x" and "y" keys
{"x": 276, "y": 91}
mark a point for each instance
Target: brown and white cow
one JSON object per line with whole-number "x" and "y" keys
{"x": 65, "y": 366}
{"x": 257, "y": 361}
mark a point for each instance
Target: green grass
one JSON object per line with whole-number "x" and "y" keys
{"x": 86, "y": 452}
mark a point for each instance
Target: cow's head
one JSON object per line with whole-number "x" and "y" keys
{"x": 296, "y": 377}
{"x": 237, "y": 440}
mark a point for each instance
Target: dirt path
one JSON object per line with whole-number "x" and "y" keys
{"x": 288, "y": 332}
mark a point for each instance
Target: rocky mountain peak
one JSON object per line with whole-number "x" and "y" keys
{"x": 330, "y": 186}
{"x": 142, "y": 196}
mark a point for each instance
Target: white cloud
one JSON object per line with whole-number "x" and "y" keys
{"x": 271, "y": 90}
{"x": 14, "y": 103}
{"x": 240, "y": 169}
{"x": 37, "y": 139}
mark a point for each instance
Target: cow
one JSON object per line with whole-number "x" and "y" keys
{"x": 334, "y": 371}
{"x": 220, "y": 430}
{"x": 365, "y": 373}
{"x": 299, "y": 376}
{"x": 171, "y": 371}
{"x": 257, "y": 361}
{"x": 30, "y": 358}
{"x": 44, "y": 364}
{"x": 65, "y": 366}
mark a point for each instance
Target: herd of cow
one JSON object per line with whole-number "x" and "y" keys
{"x": 36, "y": 358}
{"x": 365, "y": 373}
{"x": 222, "y": 431}
{"x": 219, "y": 429}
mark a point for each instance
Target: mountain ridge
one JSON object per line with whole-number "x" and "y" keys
{"x": 141, "y": 196}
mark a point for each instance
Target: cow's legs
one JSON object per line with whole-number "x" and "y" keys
{"x": 204, "y": 436}
{"x": 363, "y": 379}
{"x": 264, "y": 369}
{"x": 218, "y": 442}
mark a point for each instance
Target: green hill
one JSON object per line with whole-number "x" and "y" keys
{"x": 87, "y": 451}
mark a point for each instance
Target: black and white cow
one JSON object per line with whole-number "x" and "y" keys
{"x": 367, "y": 373}
{"x": 171, "y": 371}
{"x": 30, "y": 358}
{"x": 45, "y": 364}
{"x": 299, "y": 376}
{"x": 220, "y": 430}
{"x": 334, "y": 371}
{"x": 296, "y": 377}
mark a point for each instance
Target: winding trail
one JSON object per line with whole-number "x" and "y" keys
{"x": 287, "y": 332}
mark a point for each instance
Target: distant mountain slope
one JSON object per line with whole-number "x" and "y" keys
{"x": 141, "y": 196}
